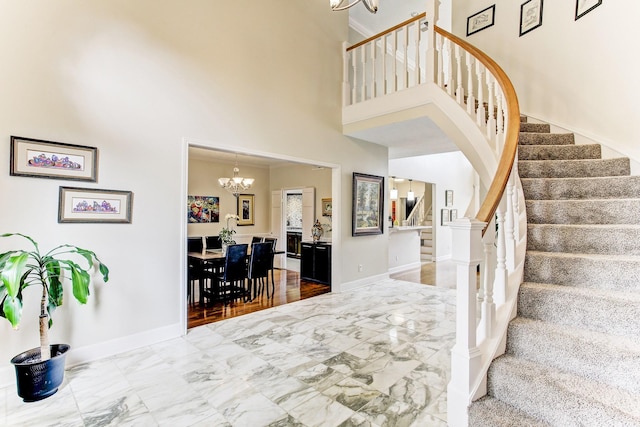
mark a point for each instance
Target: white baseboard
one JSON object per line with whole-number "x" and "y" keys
{"x": 443, "y": 258}
{"x": 76, "y": 356}
{"x": 348, "y": 286}
{"x": 405, "y": 267}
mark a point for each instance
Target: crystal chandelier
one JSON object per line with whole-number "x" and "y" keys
{"x": 237, "y": 184}
{"x": 371, "y": 5}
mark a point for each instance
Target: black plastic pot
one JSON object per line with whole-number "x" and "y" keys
{"x": 38, "y": 380}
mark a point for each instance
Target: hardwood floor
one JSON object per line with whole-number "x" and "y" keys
{"x": 288, "y": 288}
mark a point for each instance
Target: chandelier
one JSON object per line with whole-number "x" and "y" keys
{"x": 237, "y": 184}
{"x": 371, "y": 5}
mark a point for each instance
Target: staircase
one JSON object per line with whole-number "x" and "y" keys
{"x": 573, "y": 351}
{"x": 426, "y": 239}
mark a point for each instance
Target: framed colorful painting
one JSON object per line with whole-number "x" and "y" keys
{"x": 203, "y": 209}
{"x": 91, "y": 205}
{"x": 46, "y": 159}
{"x": 246, "y": 209}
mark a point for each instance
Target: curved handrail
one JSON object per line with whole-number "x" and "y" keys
{"x": 499, "y": 183}
{"x": 385, "y": 32}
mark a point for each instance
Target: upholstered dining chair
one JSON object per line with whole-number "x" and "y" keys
{"x": 230, "y": 284}
{"x": 259, "y": 263}
{"x": 273, "y": 242}
{"x": 257, "y": 239}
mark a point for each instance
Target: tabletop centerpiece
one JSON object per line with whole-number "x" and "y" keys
{"x": 226, "y": 233}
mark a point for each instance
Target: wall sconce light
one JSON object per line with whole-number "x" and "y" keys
{"x": 410, "y": 195}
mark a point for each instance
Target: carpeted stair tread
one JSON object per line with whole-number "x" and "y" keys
{"x": 574, "y": 168}
{"x": 559, "y": 152}
{"x": 605, "y": 311}
{"x": 615, "y": 187}
{"x": 538, "y": 138}
{"x": 588, "y": 271}
{"x": 535, "y": 127}
{"x": 560, "y": 398}
{"x": 588, "y": 211}
{"x": 584, "y": 239}
{"x": 601, "y": 357}
{"x": 490, "y": 412}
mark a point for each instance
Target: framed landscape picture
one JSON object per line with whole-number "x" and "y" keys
{"x": 367, "y": 204}
{"x": 91, "y": 205}
{"x": 246, "y": 209}
{"x": 46, "y": 159}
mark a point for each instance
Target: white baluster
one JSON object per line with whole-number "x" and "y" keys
{"x": 449, "y": 70}
{"x": 491, "y": 122}
{"x": 516, "y": 201}
{"x": 488, "y": 307}
{"x": 500, "y": 284}
{"x": 406, "y": 57}
{"x": 395, "y": 61}
{"x": 465, "y": 356}
{"x": 354, "y": 88}
{"x": 440, "y": 73}
{"x": 510, "y": 243}
{"x": 384, "y": 64}
{"x": 363, "y": 60}
{"x": 480, "y": 112}
{"x": 346, "y": 88}
{"x": 374, "y": 83}
{"x": 471, "y": 101}
{"x": 416, "y": 66}
{"x": 459, "y": 88}
{"x": 499, "y": 143}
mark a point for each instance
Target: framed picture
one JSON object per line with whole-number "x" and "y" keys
{"x": 91, "y": 205}
{"x": 246, "y": 209}
{"x": 46, "y": 159}
{"x": 444, "y": 216}
{"x": 327, "y": 207}
{"x": 453, "y": 215}
{"x": 203, "y": 209}
{"x": 530, "y": 16}
{"x": 585, "y": 6}
{"x": 448, "y": 198}
{"x": 368, "y": 203}
{"x": 481, "y": 20}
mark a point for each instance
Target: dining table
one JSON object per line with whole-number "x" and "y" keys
{"x": 213, "y": 258}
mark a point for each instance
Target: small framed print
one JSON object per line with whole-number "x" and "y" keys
{"x": 327, "y": 207}
{"x": 481, "y": 20}
{"x": 530, "y": 16}
{"x": 46, "y": 159}
{"x": 91, "y": 205}
{"x": 448, "y": 198}
{"x": 444, "y": 216}
{"x": 246, "y": 209}
{"x": 585, "y": 6}
{"x": 453, "y": 215}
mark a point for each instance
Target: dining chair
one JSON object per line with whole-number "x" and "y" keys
{"x": 259, "y": 268}
{"x": 256, "y": 239}
{"x": 194, "y": 244}
{"x": 213, "y": 242}
{"x": 230, "y": 284}
{"x": 273, "y": 241}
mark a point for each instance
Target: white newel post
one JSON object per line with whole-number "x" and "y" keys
{"x": 465, "y": 355}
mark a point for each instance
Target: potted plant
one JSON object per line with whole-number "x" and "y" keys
{"x": 40, "y": 371}
{"x": 226, "y": 233}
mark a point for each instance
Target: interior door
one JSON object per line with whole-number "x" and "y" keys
{"x": 308, "y": 212}
{"x": 277, "y": 224}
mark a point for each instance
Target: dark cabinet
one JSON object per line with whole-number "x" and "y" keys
{"x": 293, "y": 244}
{"x": 315, "y": 263}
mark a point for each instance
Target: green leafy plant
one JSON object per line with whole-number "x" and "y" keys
{"x": 226, "y": 233}
{"x": 20, "y": 269}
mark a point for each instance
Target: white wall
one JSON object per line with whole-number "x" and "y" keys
{"x": 580, "y": 75}
{"x": 136, "y": 79}
{"x": 448, "y": 171}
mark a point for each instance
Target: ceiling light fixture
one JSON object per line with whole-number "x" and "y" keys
{"x": 371, "y": 5}
{"x": 237, "y": 184}
{"x": 410, "y": 195}
{"x": 394, "y": 191}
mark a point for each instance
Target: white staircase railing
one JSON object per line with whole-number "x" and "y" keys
{"x": 494, "y": 241}
{"x": 417, "y": 215}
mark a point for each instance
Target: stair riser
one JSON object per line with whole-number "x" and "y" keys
{"x": 583, "y": 211}
{"x": 535, "y": 127}
{"x": 537, "y": 138}
{"x": 552, "y": 400}
{"x": 573, "y": 168}
{"x": 581, "y": 188}
{"x": 581, "y": 311}
{"x": 611, "y": 240}
{"x": 558, "y": 152}
{"x": 579, "y": 354}
{"x": 582, "y": 272}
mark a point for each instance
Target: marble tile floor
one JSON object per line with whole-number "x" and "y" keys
{"x": 374, "y": 356}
